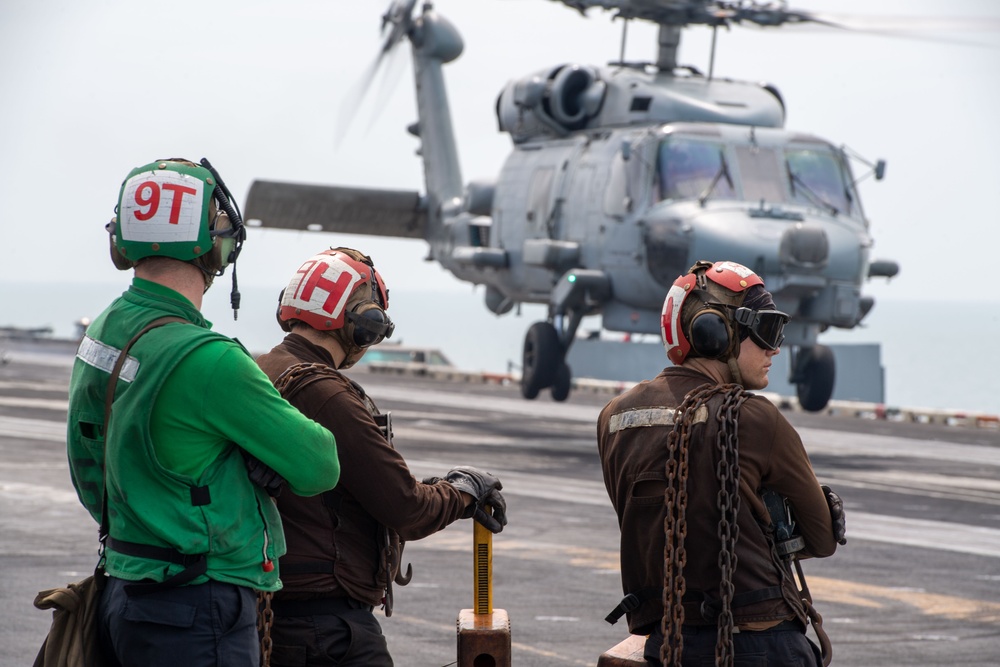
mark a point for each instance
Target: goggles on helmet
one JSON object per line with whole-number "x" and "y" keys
{"x": 765, "y": 326}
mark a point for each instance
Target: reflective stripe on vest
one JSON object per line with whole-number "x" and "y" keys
{"x": 104, "y": 357}
{"x": 640, "y": 417}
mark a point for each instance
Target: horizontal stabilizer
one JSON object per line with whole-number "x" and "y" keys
{"x": 336, "y": 209}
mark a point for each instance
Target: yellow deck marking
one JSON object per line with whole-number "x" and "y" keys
{"x": 929, "y": 604}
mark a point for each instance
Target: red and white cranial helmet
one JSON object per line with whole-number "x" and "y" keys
{"x": 335, "y": 288}
{"x": 722, "y": 284}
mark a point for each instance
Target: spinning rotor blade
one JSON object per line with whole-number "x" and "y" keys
{"x": 696, "y": 12}
{"x": 922, "y": 28}
{"x": 394, "y": 66}
{"x": 773, "y": 14}
{"x": 396, "y": 23}
{"x": 400, "y": 18}
{"x": 350, "y": 103}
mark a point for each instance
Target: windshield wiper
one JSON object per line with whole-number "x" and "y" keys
{"x": 811, "y": 195}
{"x": 723, "y": 171}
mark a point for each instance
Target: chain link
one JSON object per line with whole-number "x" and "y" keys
{"x": 265, "y": 619}
{"x": 296, "y": 372}
{"x": 673, "y": 574}
{"x": 675, "y": 519}
{"x": 728, "y": 474}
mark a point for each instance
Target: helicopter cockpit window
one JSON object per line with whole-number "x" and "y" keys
{"x": 760, "y": 174}
{"x": 687, "y": 168}
{"x": 815, "y": 178}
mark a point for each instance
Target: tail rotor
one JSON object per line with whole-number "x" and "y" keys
{"x": 396, "y": 25}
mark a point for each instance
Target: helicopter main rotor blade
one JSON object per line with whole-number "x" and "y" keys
{"x": 920, "y": 28}
{"x": 693, "y": 12}
{"x": 741, "y": 12}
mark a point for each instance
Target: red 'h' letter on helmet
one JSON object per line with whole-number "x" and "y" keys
{"x": 320, "y": 289}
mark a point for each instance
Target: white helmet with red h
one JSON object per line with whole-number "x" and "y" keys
{"x": 711, "y": 309}
{"x": 338, "y": 291}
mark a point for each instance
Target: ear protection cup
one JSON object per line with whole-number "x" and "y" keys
{"x": 367, "y": 323}
{"x": 222, "y": 242}
{"x": 215, "y": 261}
{"x": 284, "y": 324}
{"x": 121, "y": 262}
{"x": 710, "y": 334}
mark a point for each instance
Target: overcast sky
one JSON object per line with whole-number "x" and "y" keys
{"x": 92, "y": 89}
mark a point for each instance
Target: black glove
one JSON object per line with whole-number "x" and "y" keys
{"x": 837, "y": 514}
{"x": 263, "y": 476}
{"x": 485, "y": 488}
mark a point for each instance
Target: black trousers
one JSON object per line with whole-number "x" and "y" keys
{"x": 327, "y": 632}
{"x": 785, "y": 644}
{"x": 207, "y": 625}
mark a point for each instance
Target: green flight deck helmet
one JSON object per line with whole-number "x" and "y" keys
{"x": 178, "y": 209}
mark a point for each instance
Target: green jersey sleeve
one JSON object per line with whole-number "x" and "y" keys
{"x": 216, "y": 396}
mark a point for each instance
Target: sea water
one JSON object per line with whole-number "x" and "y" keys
{"x": 935, "y": 355}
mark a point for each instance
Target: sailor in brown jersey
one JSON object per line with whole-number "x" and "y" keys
{"x": 698, "y": 557}
{"x": 344, "y": 546}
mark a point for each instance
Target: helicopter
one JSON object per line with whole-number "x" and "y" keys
{"x": 620, "y": 178}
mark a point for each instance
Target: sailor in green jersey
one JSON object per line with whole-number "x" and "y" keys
{"x": 179, "y": 477}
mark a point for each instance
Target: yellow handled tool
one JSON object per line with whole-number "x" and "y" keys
{"x": 482, "y": 568}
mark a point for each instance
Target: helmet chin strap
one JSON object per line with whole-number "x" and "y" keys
{"x": 734, "y": 368}
{"x": 209, "y": 278}
{"x": 353, "y": 357}
{"x": 352, "y": 353}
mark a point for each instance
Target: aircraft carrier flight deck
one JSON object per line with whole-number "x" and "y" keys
{"x": 918, "y": 582}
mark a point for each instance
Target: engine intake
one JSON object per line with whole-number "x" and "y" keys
{"x": 552, "y": 102}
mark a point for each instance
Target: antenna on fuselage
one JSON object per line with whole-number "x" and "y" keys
{"x": 711, "y": 55}
{"x": 621, "y": 53}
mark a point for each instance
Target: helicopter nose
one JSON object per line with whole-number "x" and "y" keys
{"x": 804, "y": 245}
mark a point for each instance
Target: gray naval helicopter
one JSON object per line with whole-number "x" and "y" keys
{"x": 620, "y": 178}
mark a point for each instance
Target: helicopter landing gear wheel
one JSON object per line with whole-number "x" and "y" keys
{"x": 543, "y": 356}
{"x": 563, "y": 383}
{"x": 819, "y": 372}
